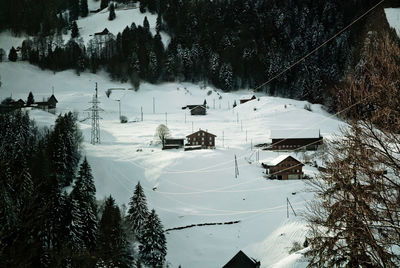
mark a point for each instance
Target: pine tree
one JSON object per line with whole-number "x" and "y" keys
{"x": 74, "y": 30}
{"x": 158, "y": 23}
{"x": 30, "y": 99}
{"x": 146, "y": 24}
{"x": 112, "y": 246}
{"x": 137, "y": 212}
{"x": 84, "y": 195}
{"x": 153, "y": 248}
{"x": 74, "y": 9}
{"x": 12, "y": 56}
{"x": 104, "y": 4}
{"x": 84, "y": 10}
{"x": 111, "y": 15}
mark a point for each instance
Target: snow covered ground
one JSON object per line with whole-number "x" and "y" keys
{"x": 393, "y": 17}
{"x": 193, "y": 186}
{"x": 96, "y": 22}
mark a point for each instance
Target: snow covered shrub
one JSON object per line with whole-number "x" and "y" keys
{"x": 123, "y": 119}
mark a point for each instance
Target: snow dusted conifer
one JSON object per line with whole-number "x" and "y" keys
{"x": 137, "y": 212}
{"x": 112, "y": 246}
{"x": 84, "y": 195}
{"x": 30, "y": 99}
{"x": 153, "y": 248}
{"x": 146, "y": 24}
{"x": 74, "y": 30}
{"x": 111, "y": 15}
{"x": 84, "y": 10}
{"x": 12, "y": 56}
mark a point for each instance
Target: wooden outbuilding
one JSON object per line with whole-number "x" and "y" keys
{"x": 48, "y": 105}
{"x": 201, "y": 138}
{"x": 284, "y": 167}
{"x": 296, "y": 139}
{"x": 173, "y": 143}
{"x": 241, "y": 260}
{"x": 198, "y": 110}
{"x": 247, "y": 98}
{"x": 104, "y": 32}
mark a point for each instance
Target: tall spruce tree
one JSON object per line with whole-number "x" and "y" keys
{"x": 137, "y": 212}
{"x": 104, "y": 4}
{"x": 83, "y": 195}
{"x": 112, "y": 247}
{"x": 153, "y": 248}
{"x": 84, "y": 10}
{"x": 12, "y": 56}
{"x": 111, "y": 15}
{"x": 74, "y": 30}
{"x": 30, "y": 99}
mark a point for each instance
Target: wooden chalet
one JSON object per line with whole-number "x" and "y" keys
{"x": 284, "y": 167}
{"x": 201, "y": 139}
{"x": 241, "y": 260}
{"x": 296, "y": 139}
{"x": 247, "y": 98}
{"x": 173, "y": 143}
{"x": 48, "y": 105}
{"x": 11, "y": 105}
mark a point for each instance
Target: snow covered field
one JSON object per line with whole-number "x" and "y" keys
{"x": 193, "y": 186}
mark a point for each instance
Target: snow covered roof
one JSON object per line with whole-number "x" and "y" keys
{"x": 247, "y": 97}
{"x": 294, "y": 133}
{"x": 277, "y": 160}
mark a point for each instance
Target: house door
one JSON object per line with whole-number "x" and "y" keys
{"x": 279, "y": 177}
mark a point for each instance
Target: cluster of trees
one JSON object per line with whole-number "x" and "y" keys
{"x": 43, "y": 225}
{"x": 355, "y": 221}
{"x": 231, "y": 44}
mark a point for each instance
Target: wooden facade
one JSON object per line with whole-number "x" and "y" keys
{"x": 284, "y": 168}
{"x": 198, "y": 110}
{"x": 296, "y": 139}
{"x": 241, "y": 260}
{"x": 202, "y": 138}
{"x": 173, "y": 143}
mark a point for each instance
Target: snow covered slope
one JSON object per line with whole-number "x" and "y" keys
{"x": 194, "y": 186}
{"x": 96, "y": 22}
{"x": 393, "y": 17}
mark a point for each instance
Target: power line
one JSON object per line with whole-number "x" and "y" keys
{"x": 319, "y": 47}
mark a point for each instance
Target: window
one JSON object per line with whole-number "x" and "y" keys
{"x": 198, "y": 134}
{"x": 202, "y": 138}
{"x": 210, "y": 138}
{"x": 202, "y": 142}
{"x": 194, "y": 138}
{"x": 203, "y": 133}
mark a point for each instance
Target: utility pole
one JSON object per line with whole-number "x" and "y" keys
{"x": 95, "y": 109}
{"x": 241, "y": 125}
{"x": 287, "y": 208}
{"x": 223, "y": 139}
{"x": 119, "y": 108}
{"x": 214, "y": 104}
{"x": 141, "y": 113}
{"x": 192, "y": 126}
{"x": 236, "y": 168}
{"x": 154, "y": 105}
{"x": 229, "y": 105}
{"x": 166, "y": 120}
{"x": 251, "y": 144}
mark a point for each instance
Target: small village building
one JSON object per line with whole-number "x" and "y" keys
{"x": 48, "y": 105}
{"x": 173, "y": 143}
{"x": 247, "y": 98}
{"x": 198, "y": 110}
{"x": 241, "y": 260}
{"x": 284, "y": 167}
{"x": 296, "y": 139}
{"x": 201, "y": 138}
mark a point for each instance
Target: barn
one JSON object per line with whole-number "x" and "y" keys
{"x": 247, "y": 98}
{"x": 296, "y": 139}
{"x": 284, "y": 167}
{"x": 198, "y": 110}
{"x": 173, "y": 143}
{"x": 201, "y": 138}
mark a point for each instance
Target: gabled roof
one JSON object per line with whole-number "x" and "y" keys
{"x": 52, "y": 98}
{"x": 201, "y": 106}
{"x": 104, "y": 32}
{"x": 276, "y": 161}
{"x": 248, "y": 97}
{"x": 306, "y": 133}
{"x": 241, "y": 260}
{"x": 201, "y": 132}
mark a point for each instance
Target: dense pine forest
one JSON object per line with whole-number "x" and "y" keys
{"x": 228, "y": 44}
{"x": 48, "y": 211}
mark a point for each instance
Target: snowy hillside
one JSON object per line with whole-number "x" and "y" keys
{"x": 393, "y": 17}
{"x": 194, "y": 186}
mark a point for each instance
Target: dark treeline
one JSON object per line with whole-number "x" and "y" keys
{"x": 43, "y": 225}
{"x": 230, "y": 44}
